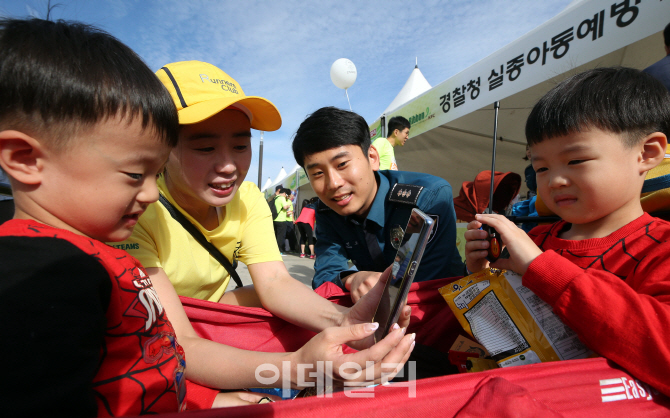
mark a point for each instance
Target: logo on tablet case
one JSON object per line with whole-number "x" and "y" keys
{"x": 396, "y": 236}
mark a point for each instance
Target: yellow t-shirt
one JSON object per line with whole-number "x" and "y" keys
{"x": 386, "y": 154}
{"x": 289, "y": 211}
{"x": 280, "y": 201}
{"x": 245, "y": 233}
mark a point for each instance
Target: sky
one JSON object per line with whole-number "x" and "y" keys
{"x": 282, "y": 50}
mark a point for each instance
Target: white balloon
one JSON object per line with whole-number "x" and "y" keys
{"x": 343, "y": 73}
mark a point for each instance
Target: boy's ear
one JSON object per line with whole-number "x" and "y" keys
{"x": 21, "y": 157}
{"x": 653, "y": 151}
{"x": 373, "y": 158}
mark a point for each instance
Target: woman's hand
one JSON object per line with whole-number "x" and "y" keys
{"x": 364, "y": 310}
{"x": 377, "y": 364}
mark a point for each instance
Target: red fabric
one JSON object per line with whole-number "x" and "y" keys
{"x": 474, "y": 195}
{"x": 614, "y": 292}
{"x": 199, "y": 397}
{"x": 257, "y": 329}
{"x": 308, "y": 216}
{"x": 575, "y": 388}
{"x": 247, "y": 328}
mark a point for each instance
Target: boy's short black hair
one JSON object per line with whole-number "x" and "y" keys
{"x": 618, "y": 100}
{"x": 59, "y": 77}
{"x": 327, "y": 128}
{"x": 278, "y": 188}
{"x": 399, "y": 123}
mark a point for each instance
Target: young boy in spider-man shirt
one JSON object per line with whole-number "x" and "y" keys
{"x": 85, "y": 127}
{"x": 604, "y": 268}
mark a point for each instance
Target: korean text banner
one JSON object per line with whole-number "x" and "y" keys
{"x": 576, "y": 36}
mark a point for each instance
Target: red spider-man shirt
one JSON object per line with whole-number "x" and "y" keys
{"x": 613, "y": 291}
{"x": 84, "y": 332}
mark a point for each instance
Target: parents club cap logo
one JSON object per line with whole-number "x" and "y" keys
{"x": 201, "y": 90}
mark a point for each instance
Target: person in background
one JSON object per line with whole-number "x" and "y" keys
{"x": 661, "y": 69}
{"x": 290, "y": 223}
{"x": 305, "y": 223}
{"x": 282, "y": 204}
{"x": 529, "y": 173}
{"x": 398, "y": 128}
{"x": 294, "y": 197}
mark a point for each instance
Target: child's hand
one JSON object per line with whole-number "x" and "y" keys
{"x": 476, "y": 247}
{"x": 521, "y": 248}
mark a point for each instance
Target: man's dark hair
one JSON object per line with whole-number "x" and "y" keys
{"x": 399, "y": 123}
{"x": 327, "y": 128}
{"x": 59, "y": 77}
{"x": 666, "y": 34}
{"x": 617, "y": 100}
{"x": 278, "y": 188}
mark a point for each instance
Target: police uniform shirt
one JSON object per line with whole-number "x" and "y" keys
{"x": 342, "y": 238}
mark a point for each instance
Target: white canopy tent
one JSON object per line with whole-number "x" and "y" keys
{"x": 267, "y": 184}
{"x": 452, "y": 124}
{"x": 415, "y": 85}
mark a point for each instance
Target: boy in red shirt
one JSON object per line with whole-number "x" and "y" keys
{"x": 604, "y": 268}
{"x": 85, "y": 127}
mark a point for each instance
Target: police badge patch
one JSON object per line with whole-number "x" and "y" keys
{"x": 436, "y": 218}
{"x": 397, "y": 234}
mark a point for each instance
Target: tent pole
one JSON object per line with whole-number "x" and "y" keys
{"x": 260, "y": 162}
{"x": 496, "y": 105}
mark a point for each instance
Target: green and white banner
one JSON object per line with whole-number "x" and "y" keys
{"x": 578, "y": 35}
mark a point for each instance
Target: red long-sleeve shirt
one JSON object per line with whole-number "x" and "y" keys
{"x": 614, "y": 292}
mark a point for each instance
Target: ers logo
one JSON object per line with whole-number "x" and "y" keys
{"x": 148, "y": 297}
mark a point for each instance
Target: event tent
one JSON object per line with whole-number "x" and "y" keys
{"x": 452, "y": 123}
{"x": 415, "y": 85}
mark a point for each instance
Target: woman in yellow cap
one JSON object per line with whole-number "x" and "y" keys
{"x": 204, "y": 181}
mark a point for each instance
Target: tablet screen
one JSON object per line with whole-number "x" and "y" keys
{"x": 410, "y": 241}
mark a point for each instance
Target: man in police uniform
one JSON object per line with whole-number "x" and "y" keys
{"x": 362, "y": 211}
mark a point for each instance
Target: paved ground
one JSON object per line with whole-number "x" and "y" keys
{"x": 301, "y": 269}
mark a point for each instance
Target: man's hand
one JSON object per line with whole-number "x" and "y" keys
{"x": 360, "y": 283}
{"x": 364, "y": 310}
{"x": 377, "y": 364}
{"x": 521, "y": 248}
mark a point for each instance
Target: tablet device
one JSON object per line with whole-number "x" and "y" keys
{"x": 412, "y": 242}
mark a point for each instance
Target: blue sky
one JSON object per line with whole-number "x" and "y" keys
{"x": 282, "y": 50}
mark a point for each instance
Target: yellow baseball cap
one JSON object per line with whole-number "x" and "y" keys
{"x": 201, "y": 90}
